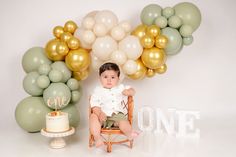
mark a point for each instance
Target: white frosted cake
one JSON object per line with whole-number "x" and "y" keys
{"x": 57, "y": 121}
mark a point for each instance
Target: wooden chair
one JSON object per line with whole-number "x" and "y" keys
{"x": 108, "y": 134}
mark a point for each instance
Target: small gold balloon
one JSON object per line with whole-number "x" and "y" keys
{"x": 70, "y": 26}
{"x": 80, "y": 75}
{"x": 62, "y": 48}
{"x": 147, "y": 41}
{"x": 73, "y": 43}
{"x": 139, "y": 31}
{"x": 65, "y": 36}
{"x": 150, "y": 73}
{"x": 57, "y": 31}
{"x": 153, "y": 30}
{"x": 161, "y": 41}
{"x": 78, "y": 60}
{"x": 51, "y": 50}
{"x": 162, "y": 69}
{"x": 153, "y": 58}
{"x": 141, "y": 71}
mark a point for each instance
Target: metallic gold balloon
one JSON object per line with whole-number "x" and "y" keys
{"x": 80, "y": 75}
{"x": 73, "y": 43}
{"x": 70, "y": 26}
{"x": 162, "y": 69}
{"x": 62, "y": 48}
{"x": 153, "y": 30}
{"x": 57, "y": 31}
{"x": 150, "y": 73}
{"x": 51, "y": 50}
{"x": 153, "y": 58}
{"x": 141, "y": 71}
{"x": 139, "y": 31}
{"x": 147, "y": 41}
{"x": 78, "y": 60}
{"x": 65, "y": 36}
{"x": 161, "y": 41}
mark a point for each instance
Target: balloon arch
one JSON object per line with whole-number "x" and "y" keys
{"x": 54, "y": 71}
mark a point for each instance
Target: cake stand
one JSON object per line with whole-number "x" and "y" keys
{"x": 57, "y": 140}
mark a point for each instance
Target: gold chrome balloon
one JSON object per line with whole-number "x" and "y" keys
{"x": 51, "y": 50}
{"x": 161, "y": 41}
{"x": 70, "y": 26}
{"x": 162, "y": 69}
{"x": 57, "y": 31}
{"x": 62, "y": 48}
{"x": 153, "y": 58}
{"x": 153, "y": 30}
{"x": 147, "y": 41}
{"x": 78, "y": 60}
{"x": 65, "y": 36}
{"x": 73, "y": 43}
{"x": 141, "y": 71}
{"x": 80, "y": 75}
{"x": 139, "y": 31}
{"x": 150, "y": 73}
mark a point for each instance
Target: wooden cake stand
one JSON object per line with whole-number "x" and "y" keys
{"x": 57, "y": 140}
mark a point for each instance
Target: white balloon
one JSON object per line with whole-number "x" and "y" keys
{"x": 130, "y": 67}
{"x": 131, "y": 46}
{"x": 88, "y": 36}
{"x": 126, "y": 26}
{"x": 106, "y": 17}
{"x": 88, "y": 22}
{"x": 92, "y": 14}
{"x": 118, "y": 33}
{"x": 103, "y": 47}
{"x": 95, "y": 62}
{"x": 100, "y": 29}
{"x": 79, "y": 34}
{"x": 119, "y": 57}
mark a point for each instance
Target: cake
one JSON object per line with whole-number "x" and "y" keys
{"x": 57, "y": 121}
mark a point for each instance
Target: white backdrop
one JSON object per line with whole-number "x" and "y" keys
{"x": 201, "y": 77}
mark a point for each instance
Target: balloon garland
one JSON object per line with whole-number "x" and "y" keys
{"x": 55, "y": 70}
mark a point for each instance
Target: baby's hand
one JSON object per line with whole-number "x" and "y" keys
{"x": 102, "y": 117}
{"x": 128, "y": 92}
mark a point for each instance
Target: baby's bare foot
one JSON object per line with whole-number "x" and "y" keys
{"x": 133, "y": 135}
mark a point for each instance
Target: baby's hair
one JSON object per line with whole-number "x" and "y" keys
{"x": 109, "y": 66}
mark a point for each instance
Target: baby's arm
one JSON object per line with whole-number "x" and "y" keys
{"x": 128, "y": 92}
{"x": 101, "y": 115}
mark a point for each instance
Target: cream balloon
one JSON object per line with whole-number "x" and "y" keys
{"x": 103, "y": 47}
{"x": 130, "y": 67}
{"x": 95, "y": 62}
{"x": 118, "y": 33}
{"x": 125, "y": 25}
{"x": 106, "y": 17}
{"x": 100, "y": 30}
{"x": 119, "y": 57}
{"x": 79, "y": 34}
{"x": 88, "y": 37}
{"x": 88, "y": 22}
{"x": 131, "y": 46}
{"x": 92, "y": 14}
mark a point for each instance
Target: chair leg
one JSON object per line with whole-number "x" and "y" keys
{"x": 131, "y": 143}
{"x": 109, "y": 144}
{"x": 91, "y": 140}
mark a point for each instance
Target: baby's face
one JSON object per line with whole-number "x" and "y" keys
{"x": 109, "y": 79}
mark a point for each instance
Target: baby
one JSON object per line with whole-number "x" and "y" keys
{"x": 106, "y": 104}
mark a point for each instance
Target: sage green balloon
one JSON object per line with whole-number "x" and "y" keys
{"x": 186, "y": 30}
{"x": 30, "y": 84}
{"x": 73, "y": 84}
{"x": 55, "y": 91}
{"x": 55, "y": 75}
{"x": 75, "y": 96}
{"x": 44, "y": 69}
{"x": 168, "y": 12}
{"x": 150, "y": 13}
{"x": 61, "y": 66}
{"x": 188, "y": 40}
{"x": 189, "y": 14}
{"x": 74, "y": 115}
{"x": 174, "y": 21}
{"x": 174, "y": 40}
{"x": 161, "y": 21}
{"x": 30, "y": 114}
{"x": 33, "y": 58}
{"x": 43, "y": 81}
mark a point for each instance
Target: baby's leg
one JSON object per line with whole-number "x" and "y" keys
{"x": 126, "y": 128}
{"x": 95, "y": 129}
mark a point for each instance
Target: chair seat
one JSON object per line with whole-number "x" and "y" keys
{"x": 111, "y": 131}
